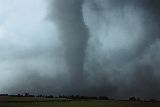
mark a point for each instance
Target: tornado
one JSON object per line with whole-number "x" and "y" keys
{"x": 73, "y": 35}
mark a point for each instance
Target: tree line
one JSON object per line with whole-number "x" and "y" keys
{"x": 75, "y": 97}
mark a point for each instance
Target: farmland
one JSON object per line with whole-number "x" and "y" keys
{"x": 53, "y": 102}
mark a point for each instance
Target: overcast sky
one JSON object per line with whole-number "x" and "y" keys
{"x": 88, "y": 47}
{"x": 27, "y": 40}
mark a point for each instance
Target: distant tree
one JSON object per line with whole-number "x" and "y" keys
{"x": 132, "y": 99}
{"x": 40, "y": 95}
{"x": 138, "y": 99}
{"x": 152, "y": 100}
{"x": 19, "y": 95}
{"x": 49, "y": 96}
{"x": 103, "y": 98}
{"x": 3, "y": 94}
{"x": 26, "y": 94}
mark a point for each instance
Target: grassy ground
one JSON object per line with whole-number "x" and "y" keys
{"x": 29, "y": 99}
{"x": 91, "y": 103}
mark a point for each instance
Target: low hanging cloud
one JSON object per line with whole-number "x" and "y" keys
{"x": 124, "y": 38}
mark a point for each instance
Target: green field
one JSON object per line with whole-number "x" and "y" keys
{"x": 43, "y": 102}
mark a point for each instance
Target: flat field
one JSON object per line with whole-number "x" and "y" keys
{"x": 43, "y": 102}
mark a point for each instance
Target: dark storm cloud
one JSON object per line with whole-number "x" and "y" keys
{"x": 108, "y": 47}
{"x": 127, "y": 68}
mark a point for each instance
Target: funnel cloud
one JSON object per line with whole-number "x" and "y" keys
{"x": 73, "y": 34}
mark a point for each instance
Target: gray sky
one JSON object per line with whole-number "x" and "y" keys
{"x": 28, "y": 41}
{"x": 88, "y": 47}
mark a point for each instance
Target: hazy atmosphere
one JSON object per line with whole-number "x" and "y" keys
{"x": 85, "y": 47}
